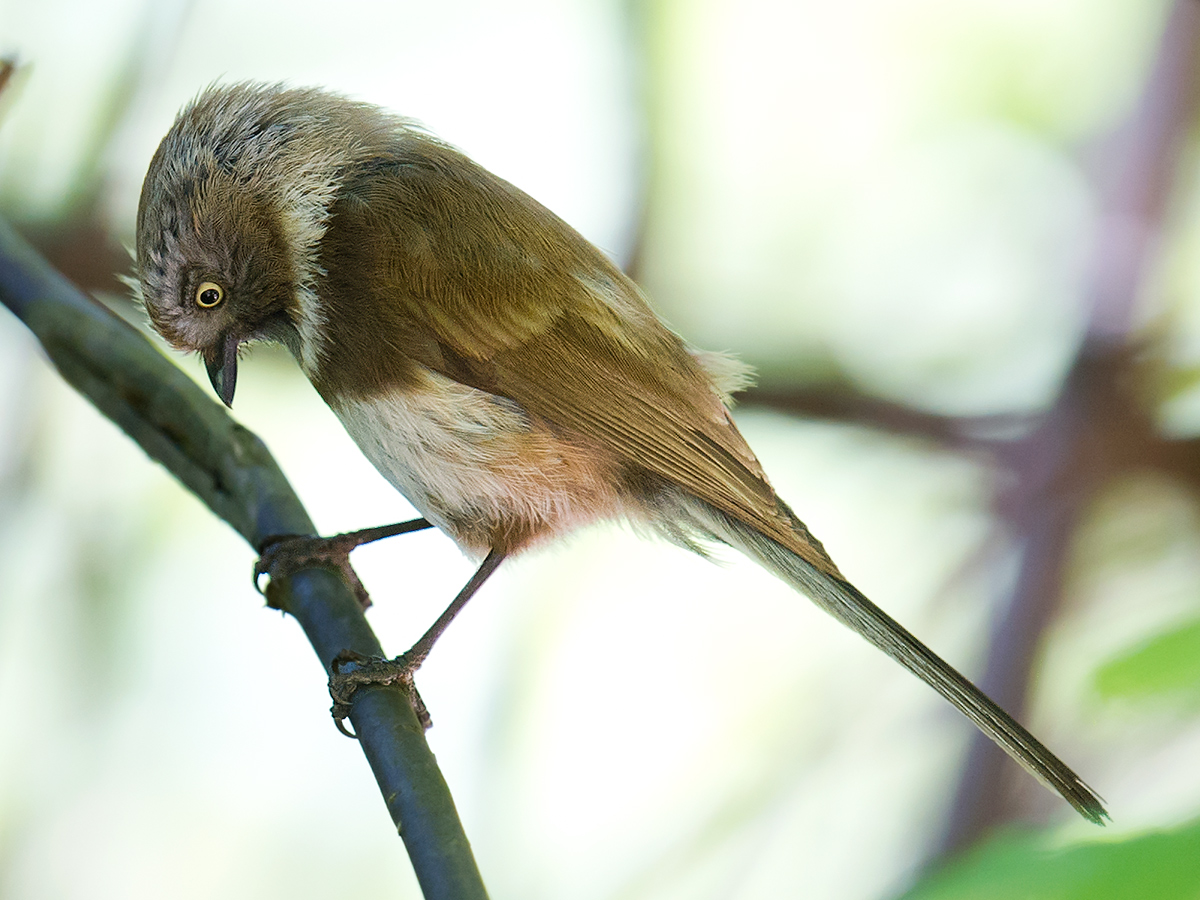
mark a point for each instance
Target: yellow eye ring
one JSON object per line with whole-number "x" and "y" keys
{"x": 209, "y": 294}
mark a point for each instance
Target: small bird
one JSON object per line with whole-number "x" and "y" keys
{"x": 501, "y": 372}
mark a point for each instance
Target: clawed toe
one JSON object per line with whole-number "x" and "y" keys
{"x": 351, "y": 671}
{"x": 289, "y": 554}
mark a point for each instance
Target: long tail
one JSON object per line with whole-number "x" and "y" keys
{"x": 846, "y": 604}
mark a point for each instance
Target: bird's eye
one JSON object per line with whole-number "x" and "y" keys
{"x": 209, "y": 294}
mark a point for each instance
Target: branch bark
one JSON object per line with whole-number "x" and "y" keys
{"x": 233, "y": 473}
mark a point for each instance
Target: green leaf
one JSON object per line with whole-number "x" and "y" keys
{"x": 1168, "y": 664}
{"x": 1163, "y": 865}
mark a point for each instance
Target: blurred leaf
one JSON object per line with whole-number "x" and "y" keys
{"x": 1166, "y": 664}
{"x": 1175, "y": 381}
{"x": 1162, "y": 865}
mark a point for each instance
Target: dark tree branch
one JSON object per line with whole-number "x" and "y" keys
{"x": 231, "y": 471}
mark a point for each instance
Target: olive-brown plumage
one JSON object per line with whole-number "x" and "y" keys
{"x": 497, "y": 368}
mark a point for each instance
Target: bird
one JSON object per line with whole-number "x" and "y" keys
{"x": 500, "y": 371}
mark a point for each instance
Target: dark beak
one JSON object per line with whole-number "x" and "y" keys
{"x": 221, "y": 361}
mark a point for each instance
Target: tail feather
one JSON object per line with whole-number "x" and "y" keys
{"x": 848, "y": 605}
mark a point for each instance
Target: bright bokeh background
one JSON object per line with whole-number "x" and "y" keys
{"x": 895, "y": 190}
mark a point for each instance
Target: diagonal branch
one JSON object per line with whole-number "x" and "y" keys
{"x": 231, "y": 470}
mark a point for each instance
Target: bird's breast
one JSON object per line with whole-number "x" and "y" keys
{"x": 476, "y": 465}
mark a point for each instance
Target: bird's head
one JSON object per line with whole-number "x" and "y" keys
{"x": 232, "y": 209}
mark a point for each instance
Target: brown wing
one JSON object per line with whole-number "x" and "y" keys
{"x": 497, "y": 292}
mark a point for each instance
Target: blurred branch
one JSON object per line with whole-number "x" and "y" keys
{"x": 841, "y": 402}
{"x": 1098, "y": 428}
{"x": 78, "y": 242}
{"x": 151, "y": 47}
{"x": 231, "y": 471}
{"x": 1047, "y": 468}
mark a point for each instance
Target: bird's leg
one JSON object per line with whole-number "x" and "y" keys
{"x": 400, "y": 671}
{"x": 285, "y": 554}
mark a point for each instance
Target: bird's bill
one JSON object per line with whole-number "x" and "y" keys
{"x": 221, "y": 361}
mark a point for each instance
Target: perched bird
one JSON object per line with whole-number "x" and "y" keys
{"x": 497, "y": 369}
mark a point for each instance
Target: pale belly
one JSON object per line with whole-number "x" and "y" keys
{"x": 475, "y": 466}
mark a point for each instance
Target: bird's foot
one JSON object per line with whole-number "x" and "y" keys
{"x": 352, "y": 671}
{"x": 289, "y": 554}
